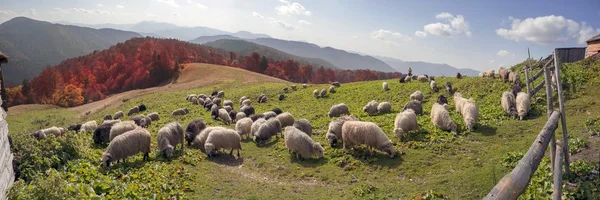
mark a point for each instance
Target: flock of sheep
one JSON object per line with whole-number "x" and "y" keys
{"x": 129, "y": 137}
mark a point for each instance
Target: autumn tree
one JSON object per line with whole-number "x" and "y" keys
{"x": 176, "y": 71}
{"x": 68, "y": 97}
{"x": 264, "y": 64}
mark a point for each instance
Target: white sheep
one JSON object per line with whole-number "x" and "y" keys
{"x": 414, "y": 105}
{"x": 371, "y": 107}
{"x": 405, "y": 121}
{"x": 223, "y": 139}
{"x": 154, "y": 116}
{"x": 490, "y": 73}
{"x": 367, "y": 133}
{"x": 470, "y": 113}
{"x": 269, "y": 114}
{"x": 239, "y": 116}
{"x": 266, "y": 130}
{"x": 200, "y": 139}
{"x": 246, "y": 102}
{"x": 316, "y": 93}
{"x": 334, "y": 132}
{"x": 441, "y": 118}
{"x": 503, "y": 74}
{"x": 120, "y": 128}
{"x": 169, "y": 137}
{"x": 133, "y": 110}
{"x": 297, "y": 141}
{"x": 228, "y": 103}
{"x": 217, "y": 101}
{"x": 523, "y": 104}
{"x": 242, "y": 99}
{"x": 509, "y": 104}
{"x": 128, "y": 144}
{"x": 228, "y": 108}
{"x": 179, "y": 112}
{"x": 221, "y": 94}
{"x": 385, "y": 86}
{"x": 338, "y": 110}
{"x": 417, "y": 95}
{"x": 118, "y": 115}
{"x": 244, "y": 127}
{"x": 514, "y": 78}
{"x": 224, "y": 116}
{"x": 256, "y": 125}
{"x": 89, "y": 126}
{"x": 332, "y": 89}
{"x": 286, "y": 119}
{"x": 433, "y": 86}
{"x": 304, "y": 125}
{"x": 458, "y": 101}
{"x": 304, "y": 86}
{"x": 482, "y": 74}
{"x": 408, "y": 79}
{"x": 56, "y": 131}
{"x": 384, "y": 107}
{"x": 422, "y": 78}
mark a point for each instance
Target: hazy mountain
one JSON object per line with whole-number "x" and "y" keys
{"x": 206, "y": 39}
{"x": 248, "y": 35}
{"x": 433, "y": 69}
{"x": 31, "y": 45}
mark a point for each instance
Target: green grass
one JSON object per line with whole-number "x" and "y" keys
{"x": 460, "y": 166}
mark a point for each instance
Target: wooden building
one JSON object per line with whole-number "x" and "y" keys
{"x": 3, "y": 95}
{"x": 593, "y": 46}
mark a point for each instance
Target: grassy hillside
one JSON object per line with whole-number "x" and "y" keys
{"x": 459, "y": 166}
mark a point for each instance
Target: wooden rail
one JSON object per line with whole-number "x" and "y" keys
{"x": 537, "y": 88}
{"x": 557, "y": 173}
{"x": 563, "y": 120}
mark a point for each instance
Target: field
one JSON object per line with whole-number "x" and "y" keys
{"x": 432, "y": 163}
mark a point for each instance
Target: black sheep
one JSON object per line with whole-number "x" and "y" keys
{"x": 415, "y": 106}
{"x": 74, "y": 127}
{"x": 142, "y": 107}
{"x": 193, "y": 129}
{"x": 277, "y": 111}
{"x": 442, "y": 100}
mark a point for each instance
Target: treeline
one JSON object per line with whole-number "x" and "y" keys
{"x": 147, "y": 62}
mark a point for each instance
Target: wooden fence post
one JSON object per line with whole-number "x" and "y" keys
{"x": 548, "y": 80}
{"x": 561, "y": 104}
{"x": 557, "y": 173}
{"x": 527, "y": 79}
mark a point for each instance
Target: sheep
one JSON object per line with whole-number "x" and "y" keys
{"x": 107, "y": 117}
{"x": 409, "y": 71}
{"x": 181, "y": 111}
{"x": 503, "y": 74}
{"x": 202, "y": 96}
{"x": 223, "y": 139}
{"x": 316, "y": 93}
{"x": 260, "y": 98}
{"x": 509, "y": 104}
{"x": 277, "y": 110}
{"x": 323, "y": 93}
{"x": 256, "y": 117}
{"x": 246, "y": 102}
{"x": 470, "y": 113}
{"x": 120, "y": 128}
{"x": 38, "y": 135}
{"x": 242, "y": 100}
{"x": 422, "y": 78}
{"x": 102, "y": 133}
{"x": 286, "y": 119}
{"x": 490, "y": 73}
{"x": 169, "y": 137}
{"x": 207, "y": 101}
{"x": 442, "y": 100}
{"x": 303, "y": 125}
{"x": 244, "y": 127}
{"x": 418, "y": 95}
{"x": 336, "y": 84}
{"x": 441, "y": 119}
{"x": 414, "y": 105}
{"x": 56, "y": 131}
{"x": 228, "y": 103}
{"x": 137, "y": 119}
{"x": 224, "y": 116}
{"x": 228, "y": 108}
{"x": 111, "y": 121}
{"x": 263, "y": 99}
{"x": 304, "y": 86}
{"x": 296, "y": 141}
{"x": 133, "y": 110}
{"x": 214, "y": 112}
{"x": 281, "y": 97}
{"x": 221, "y": 94}
{"x": 367, "y": 133}
{"x": 385, "y": 86}
{"x": 371, "y": 107}
{"x": 523, "y": 104}
{"x": 516, "y": 89}
{"x": 247, "y": 110}
{"x": 118, "y": 115}
{"x": 217, "y": 101}
{"x": 285, "y": 89}
{"x": 433, "y": 86}
{"x": 269, "y": 114}
{"x": 208, "y": 106}
{"x": 232, "y": 115}
{"x": 193, "y": 129}
{"x": 405, "y": 121}
{"x": 214, "y": 93}
{"x": 74, "y": 127}
{"x": 266, "y": 130}
{"x": 145, "y": 122}
{"x": 154, "y": 116}
{"x": 458, "y": 102}
{"x": 408, "y": 78}
{"x": 128, "y": 144}
{"x": 448, "y": 87}
{"x": 384, "y": 107}
{"x": 240, "y": 115}
{"x": 514, "y": 78}
{"x": 334, "y": 131}
{"x": 200, "y": 139}
{"x": 331, "y": 89}
{"x": 195, "y": 101}
{"x": 458, "y": 75}
{"x": 256, "y": 124}
{"x": 89, "y": 126}
{"x": 432, "y": 78}
{"x": 338, "y": 110}
{"x": 294, "y": 87}
{"x": 402, "y": 78}
{"x": 482, "y": 74}
{"x": 189, "y": 97}
{"x": 142, "y": 107}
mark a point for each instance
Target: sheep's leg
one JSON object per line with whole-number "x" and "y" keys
{"x": 231, "y": 152}
{"x": 146, "y": 157}
{"x": 238, "y": 151}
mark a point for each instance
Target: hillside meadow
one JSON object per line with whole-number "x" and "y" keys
{"x": 431, "y": 164}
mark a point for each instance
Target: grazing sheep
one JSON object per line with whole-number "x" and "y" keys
{"x": 169, "y": 137}
{"x": 277, "y": 110}
{"x": 208, "y": 101}
{"x": 242, "y": 99}
{"x": 189, "y": 97}
{"x": 266, "y": 130}
{"x": 441, "y": 119}
{"x": 247, "y": 110}
{"x": 269, "y": 114}
{"x": 297, "y": 141}
{"x": 490, "y": 73}
{"x": 74, "y": 127}
{"x": 246, "y": 102}
{"x": 228, "y": 108}
{"x": 214, "y": 112}
{"x": 331, "y": 89}
{"x": 509, "y": 104}
{"x": 256, "y": 124}
{"x": 336, "y": 84}
{"x": 371, "y": 107}
{"x": 263, "y": 99}
{"x": 384, "y": 107}
{"x": 145, "y": 122}
{"x": 89, "y": 126}
{"x": 111, "y": 121}
{"x": 414, "y": 105}
{"x": 334, "y": 132}
{"x": 385, "y": 86}
{"x": 198, "y": 101}
{"x": 294, "y": 87}
{"x": 523, "y": 104}
{"x": 120, "y": 128}
{"x": 142, "y": 107}
{"x": 503, "y": 74}
{"x": 422, "y": 78}
{"x": 200, "y": 139}
{"x": 286, "y": 119}
{"x": 181, "y": 111}
{"x": 367, "y": 133}
{"x": 240, "y": 115}
{"x": 432, "y": 78}
{"x": 442, "y": 100}
{"x": 482, "y": 74}
{"x": 224, "y": 116}
{"x": 304, "y": 86}
{"x": 433, "y": 86}
{"x": 128, "y": 144}
{"x": 405, "y": 121}
{"x": 137, "y": 119}
{"x": 514, "y": 78}
{"x": 217, "y": 101}
{"x": 458, "y": 75}
{"x": 259, "y": 98}
{"x": 221, "y": 94}
{"x": 232, "y": 115}
{"x": 208, "y": 106}
{"x": 458, "y": 102}
{"x": 154, "y": 116}
{"x": 470, "y": 113}
{"x": 228, "y": 103}
{"x": 281, "y": 97}
{"x": 118, "y": 115}
{"x": 338, "y": 110}
{"x": 408, "y": 78}
{"x": 38, "y": 135}
{"x": 107, "y": 117}
{"x": 304, "y": 125}
{"x": 418, "y": 95}
{"x": 202, "y": 96}
{"x": 223, "y": 139}
{"x": 402, "y": 78}
{"x": 316, "y": 93}
{"x": 448, "y": 87}
{"x": 323, "y": 93}
{"x": 133, "y": 110}
{"x": 193, "y": 129}
{"x": 516, "y": 89}
{"x": 102, "y": 133}
{"x": 214, "y": 93}
{"x": 285, "y": 89}
{"x": 56, "y": 131}
{"x": 244, "y": 127}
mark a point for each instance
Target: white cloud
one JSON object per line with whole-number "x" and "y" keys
{"x": 504, "y": 53}
{"x": 190, "y": 1}
{"x": 492, "y": 61}
{"x": 100, "y": 5}
{"x": 390, "y": 36}
{"x": 455, "y": 25}
{"x": 257, "y": 15}
{"x": 7, "y": 12}
{"x": 169, "y": 2}
{"x": 151, "y": 15}
{"x": 547, "y": 29}
{"x": 83, "y": 11}
{"x": 292, "y": 9}
{"x": 176, "y": 14}
{"x": 282, "y": 24}
{"x": 120, "y": 6}
{"x": 354, "y": 36}
{"x": 304, "y": 22}
{"x": 420, "y": 34}
{"x": 201, "y": 6}
{"x": 284, "y": 1}
{"x": 32, "y": 12}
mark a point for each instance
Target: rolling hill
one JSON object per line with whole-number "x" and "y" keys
{"x": 32, "y": 45}
{"x": 433, "y": 69}
{"x": 207, "y": 39}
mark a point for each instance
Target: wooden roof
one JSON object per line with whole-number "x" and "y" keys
{"x": 3, "y": 58}
{"x": 593, "y": 39}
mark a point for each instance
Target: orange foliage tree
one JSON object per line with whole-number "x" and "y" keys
{"x": 68, "y": 97}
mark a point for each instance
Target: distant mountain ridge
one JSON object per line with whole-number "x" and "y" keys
{"x": 433, "y": 69}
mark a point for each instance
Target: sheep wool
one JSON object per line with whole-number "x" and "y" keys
{"x": 169, "y": 137}
{"x": 303, "y": 125}
{"x": 217, "y": 101}
{"x": 336, "y": 84}
{"x": 111, "y": 122}
{"x": 458, "y": 102}
{"x": 221, "y": 94}
{"x": 232, "y": 115}
{"x": 449, "y": 87}
{"x": 128, "y": 144}
{"x": 503, "y": 74}
{"x": 509, "y": 104}
{"x": 422, "y": 78}
{"x": 297, "y": 141}
{"x": 267, "y": 130}
{"x": 433, "y": 86}
{"x": 244, "y": 127}
{"x": 228, "y": 103}
{"x": 200, "y": 139}
{"x": 514, "y": 78}
{"x": 384, "y": 107}
{"x": 224, "y": 116}
{"x": 294, "y": 87}
{"x": 316, "y": 93}
{"x": 277, "y": 110}
{"x": 193, "y": 129}
{"x": 338, "y": 110}
{"x": 269, "y": 114}
{"x": 74, "y": 127}
{"x": 118, "y": 115}
{"x": 255, "y": 125}
{"x": 228, "y": 108}
{"x": 441, "y": 118}
{"x": 102, "y": 133}
{"x": 323, "y": 93}
{"x": 367, "y": 133}
{"x": 107, "y": 117}
{"x": 239, "y": 116}
{"x": 371, "y": 107}
{"x": 133, "y": 110}
{"x": 120, "y": 128}
{"x": 285, "y": 89}
{"x": 523, "y": 104}
{"x": 154, "y": 116}
{"x": 442, "y": 100}
{"x": 331, "y": 89}
{"x": 56, "y": 131}
{"x": 286, "y": 119}
{"x": 418, "y": 95}
{"x": 242, "y": 100}
{"x": 247, "y": 110}
{"x": 385, "y": 86}
{"x": 334, "y": 132}
{"x": 405, "y": 121}
{"x": 89, "y": 126}
{"x": 179, "y": 112}
{"x": 304, "y": 86}
{"x": 223, "y": 139}
{"x": 414, "y": 105}
{"x": 490, "y": 73}
{"x": 246, "y": 102}
{"x": 470, "y": 114}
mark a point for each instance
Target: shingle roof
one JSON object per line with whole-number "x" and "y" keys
{"x": 3, "y": 58}
{"x": 595, "y": 38}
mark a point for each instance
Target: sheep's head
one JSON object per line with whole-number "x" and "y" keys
{"x": 318, "y": 149}
{"x": 332, "y": 139}
{"x": 209, "y": 148}
{"x": 388, "y": 148}
{"x": 400, "y": 133}
{"x": 106, "y": 159}
{"x": 453, "y": 127}
{"x": 168, "y": 152}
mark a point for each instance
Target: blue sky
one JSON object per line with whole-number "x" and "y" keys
{"x": 474, "y": 34}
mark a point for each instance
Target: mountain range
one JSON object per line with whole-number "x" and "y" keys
{"x": 434, "y": 69}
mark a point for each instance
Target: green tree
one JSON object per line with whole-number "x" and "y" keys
{"x": 264, "y": 63}
{"x": 176, "y": 71}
